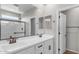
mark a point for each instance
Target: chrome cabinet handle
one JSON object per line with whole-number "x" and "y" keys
{"x": 41, "y": 53}
{"x": 49, "y": 47}
{"x": 40, "y": 46}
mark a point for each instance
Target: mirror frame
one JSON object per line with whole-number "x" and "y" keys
{"x": 2, "y": 19}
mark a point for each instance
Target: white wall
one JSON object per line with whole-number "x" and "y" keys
{"x": 73, "y": 33}
{"x": 50, "y": 9}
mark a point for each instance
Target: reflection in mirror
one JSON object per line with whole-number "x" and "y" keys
{"x": 12, "y": 28}
{"x": 9, "y": 17}
{"x": 4, "y": 22}
{"x": 45, "y": 24}
{"x": 41, "y": 23}
{"x": 32, "y": 26}
{"x": 48, "y": 22}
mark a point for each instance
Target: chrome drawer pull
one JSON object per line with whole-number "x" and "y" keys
{"x": 49, "y": 47}
{"x": 40, "y": 46}
{"x": 41, "y": 53}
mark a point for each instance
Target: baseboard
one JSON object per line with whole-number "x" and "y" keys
{"x": 73, "y": 51}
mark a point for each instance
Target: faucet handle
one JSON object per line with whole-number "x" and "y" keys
{"x": 10, "y": 41}
{"x": 10, "y": 37}
{"x": 14, "y": 40}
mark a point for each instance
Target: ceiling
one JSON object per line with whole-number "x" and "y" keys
{"x": 20, "y": 8}
{"x": 24, "y": 7}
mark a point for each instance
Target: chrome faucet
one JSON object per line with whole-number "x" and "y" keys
{"x": 40, "y": 35}
{"x": 12, "y": 40}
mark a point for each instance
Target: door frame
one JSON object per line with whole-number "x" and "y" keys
{"x": 59, "y": 35}
{"x": 33, "y": 18}
{"x": 57, "y": 23}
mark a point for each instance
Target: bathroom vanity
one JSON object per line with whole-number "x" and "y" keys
{"x": 29, "y": 45}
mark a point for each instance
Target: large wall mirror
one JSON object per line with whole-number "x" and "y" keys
{"x": 12, "y": 28}
{"x": 45, "y": 24}
{"x": 48, "y": 22}
{"x": 41, "y": 23}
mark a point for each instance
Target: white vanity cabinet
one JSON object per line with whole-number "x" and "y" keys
{"x": 29, "y": 45}
{"x": 39, "y": 48}
{"x": 48, "y": 47}
{"x": 29, "y": 50}
{"x": 45, "y": 47}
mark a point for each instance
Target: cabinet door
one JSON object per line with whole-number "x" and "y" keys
{"x": 27, "y": 51}
{"x": 39, "y": 48}
{"x": 48, "y": 48}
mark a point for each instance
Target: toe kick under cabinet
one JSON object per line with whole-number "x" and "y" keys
{"x": 45, "y": 47}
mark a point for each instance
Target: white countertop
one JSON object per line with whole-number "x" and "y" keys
{"x": 22, "y": 43}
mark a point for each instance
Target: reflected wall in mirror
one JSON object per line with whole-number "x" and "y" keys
{"x": 33, "y": 26}
{"x": 45, "y": 24}
{"x": 48, "y": 22}
{"x": 41, "y": 23}
{"x": 12, "y": 28}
